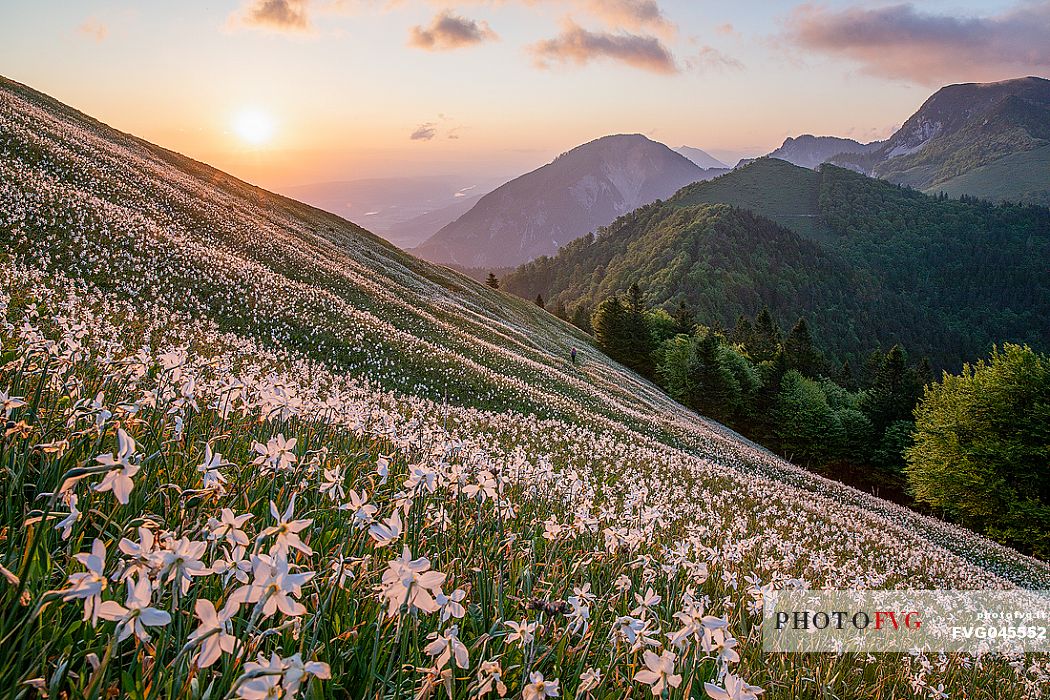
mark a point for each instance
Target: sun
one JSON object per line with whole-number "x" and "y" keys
{"x": 254, "y": 126}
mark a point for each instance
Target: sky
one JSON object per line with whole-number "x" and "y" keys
{"x": 291, "y": 92}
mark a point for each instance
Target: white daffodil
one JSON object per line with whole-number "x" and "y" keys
{"x": 276, "y": 454}
{"x": 136, "y": 614}
{"x": 364, "y": 512}
{"x": 274, "y": 587}
{"x": 446, "y": 646}
{"x": 230, "y": 527}
{"x": 67, "y": 523}
{"x": 733, "y": 688}
{"x": 589, "y": 680}
{"x": 451, "y": 605}
{"x": 538, "y": 688}
{"x": 383, "y": 468}
{"x": 490, "y": 678}
{"x": 286, "y": 531}
{"x": 579, "y": 615}
{"x": 658, "y": 673}
{"x": 410, "y": 583}
{"x": 88, "y": 585}
{"x": 213, "y": 634}
{"x": 121, "y": 470}
{"x": 332, "y": 484}
{"x": 388, "y": 531}
{"x": 180, "y": 561}
{"x": 212, "y": 478}
{"x": 9, "y": 403}
{"x": 522, "y": 632}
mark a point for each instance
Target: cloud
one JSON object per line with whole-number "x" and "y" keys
{"x": 628, "y": 14}
{"x": 94, "y": 29}
{"x": 614, "y": 14}
{"x": 449, "y": 31}
{"x": 280, "y": 15}
{"x": 424, "y": 132}
{"x": 710, "y": 58}
{"x": 580, "y": 46}
{"x": 899, "y": 41}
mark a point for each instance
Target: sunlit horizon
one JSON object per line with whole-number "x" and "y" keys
{"x": 294, "y": 92}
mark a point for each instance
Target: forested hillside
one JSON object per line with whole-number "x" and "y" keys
{"x": 871, "y": 264}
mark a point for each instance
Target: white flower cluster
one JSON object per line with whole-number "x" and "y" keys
{"x": 231, "y": 463}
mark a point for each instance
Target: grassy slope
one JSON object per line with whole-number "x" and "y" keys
{"x": 792, "y": 203}
{"x": 149, "y": 248}
{"x": 1019, "y": 177}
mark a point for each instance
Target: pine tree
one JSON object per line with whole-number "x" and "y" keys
{"x": 609, "y": 322}
{"x": 766, "y": 337}
{"x": 492, "y": 281}
{"x": 716, "y": 391}
{"x": 639, "y": 345}
{"x": 684, "y": 321}
{"x": 539, "y": 301}
{"x": 844, "y": 377}
{"x": 581, "y": 318}
{"x": 743, "y": 331}
{"x": 800, "y": 351}
{"x": 635, "y": 305}
{"x": 895, "y": 389}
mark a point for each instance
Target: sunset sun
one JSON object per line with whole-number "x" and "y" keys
{"x": 254, "y": 126}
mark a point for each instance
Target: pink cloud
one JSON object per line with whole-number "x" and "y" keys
{"x": 577, "y": 45}
{"x": 899, "y": 41}
{"x": 280, "y": 15}
{"x": 449, "y": 31}
{"x": 94, "y": 29}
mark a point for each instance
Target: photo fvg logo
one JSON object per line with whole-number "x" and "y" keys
{"x": 808, "y": 621}
{"x": 840, "y": 620}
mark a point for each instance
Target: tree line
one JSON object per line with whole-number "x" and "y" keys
{"x": 973, "y": 448}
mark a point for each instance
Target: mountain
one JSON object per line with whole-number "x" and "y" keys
{"x": 182, "y": 350}
{"x": 578, "y": 192}
{"x": 701, "y": 158}
{"x": 810, "y": 151}
{"x": 867, "y": 262}
{"x": 981, "y": 139}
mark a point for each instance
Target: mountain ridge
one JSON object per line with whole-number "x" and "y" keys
{"x": 961, "y": 128}
{"x": 964, "y": 272}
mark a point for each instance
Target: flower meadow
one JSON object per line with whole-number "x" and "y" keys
{"x": 251, "y": 451}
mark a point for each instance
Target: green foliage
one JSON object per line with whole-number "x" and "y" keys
{"x": 806, "y": 425}
{"x": 662, "y": 326}
{"x": 684, "y": 319}
{"x": 609, "y": 324}
{"x": 492, "y": 281}
{"x": 801, "y": 353}
{"x": 895, "y": 387}
{"x": 982, "y": 447}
